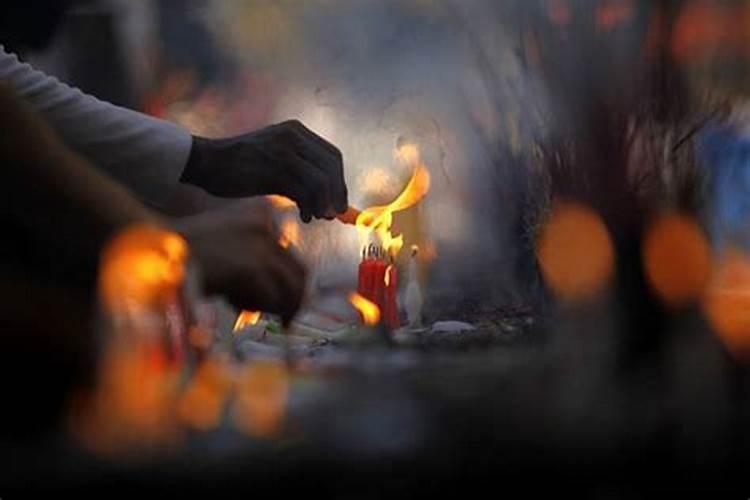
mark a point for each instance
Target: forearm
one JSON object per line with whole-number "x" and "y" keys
{"x": 145, "y": 154}
{"x": 56, "y": 195}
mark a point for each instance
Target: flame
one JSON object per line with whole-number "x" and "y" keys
{"x": 246, "y": 318}
{"x": 369, "y": 311}
{"x": 378, "y": 219}
{"x": 387, "y": 276}
{"x": 290, "y": 233}
{"x": 281, "y": 202}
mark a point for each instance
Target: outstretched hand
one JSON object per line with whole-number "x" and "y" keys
{"x": 286, "y": 159}
{"x": 239, "y": 255}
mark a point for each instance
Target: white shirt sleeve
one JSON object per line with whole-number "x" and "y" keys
{"x": 144, "y": 153}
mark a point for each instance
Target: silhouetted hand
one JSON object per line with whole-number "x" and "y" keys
{"x": 286, "y": 159}
{"x": 238, "y": 253}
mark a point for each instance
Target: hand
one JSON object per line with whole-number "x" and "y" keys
{"x": 240, "y": 258}
{"x": 286, "y": 159}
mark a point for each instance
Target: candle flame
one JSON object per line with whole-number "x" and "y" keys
{"x": 368, "y": 310}
{"x": 378, "y": 219}
{"x": 387, "y": 276}
{"x": 246, "y": 318}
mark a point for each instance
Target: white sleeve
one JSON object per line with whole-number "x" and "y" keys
{"x": 144, "y": 153}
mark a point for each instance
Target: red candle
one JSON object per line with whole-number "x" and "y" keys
{"x": 391, "y": 316}
{"x": 378, "y": 283}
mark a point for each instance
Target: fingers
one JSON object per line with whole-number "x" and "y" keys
{"x": 240, "y": 258}
{"x": 325, "y": 159}
{"x": 274, "y": 282}
{"x": 317, "y": 187}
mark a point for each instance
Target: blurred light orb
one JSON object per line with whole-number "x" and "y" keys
{"x": 677, "y": 259}
{"x": 141, "y": 267}
{"x": 727, "y": 302}
{"x": 575, "y": 252}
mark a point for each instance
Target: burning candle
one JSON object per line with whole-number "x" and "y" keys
{"x": 378, "y": 283}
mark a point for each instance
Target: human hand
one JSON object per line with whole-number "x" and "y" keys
{"x": 238, "y": 253}
{"x": 286, "y": 159}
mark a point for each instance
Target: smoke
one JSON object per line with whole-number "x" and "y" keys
{"x": 365, "y": 75}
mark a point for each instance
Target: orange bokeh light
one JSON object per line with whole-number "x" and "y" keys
{"x": 202, "y": 402}
{"x": 261, "y": 399}
{"x": 727, "y": 302}
{"x": 575, "y": 251}
{"x": 677, "y": 259}
{"x": 141, "y": 267}
{"x": 281, "y": 202}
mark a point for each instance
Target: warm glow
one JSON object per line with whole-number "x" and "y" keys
{"x": 281, "y": 202}
{"x": 378, "y": 219}
{"x": 575, "y": 251}
{"x": 132, "y": 403}
{"x": 387, "y": 275}
{"x": 368, "y": 310}
{"x": 202, "y": 402}
{"x": 727, "y": 302}
{"x": 677, "y": 259}
{"x": 613, "y": 13}
{"x": 141, "y": 267}
{"x": 261, "y": 399}
{"x": 407, "y": 154}
{"x": 376, "y": 181}
{"x": 559, "y": 12}
{"x": 246, "y": 318}
{"x": 290, "y": 234}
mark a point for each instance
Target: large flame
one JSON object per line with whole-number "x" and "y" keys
{"x": 369, "y": 310}
{"x": 246, "y": 318}
{"x": 378, "y": 219}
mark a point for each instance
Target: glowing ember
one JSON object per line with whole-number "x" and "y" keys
{"x": 246, "y": 318}
{"x": 368, "y": 310}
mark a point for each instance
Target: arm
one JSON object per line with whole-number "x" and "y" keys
{"x": 151, "y": 156}
{"x": 57, "y": 197}
{"x": 71, "y": 210}
{"x": 145, "y": 154}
